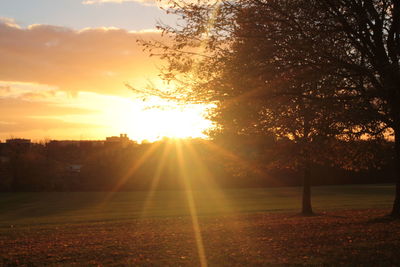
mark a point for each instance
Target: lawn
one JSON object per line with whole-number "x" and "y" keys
{"x": 234, "y": 227}
{"x": 76, "y": 207}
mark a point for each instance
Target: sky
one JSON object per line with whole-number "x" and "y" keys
{"x": 64, "y": 64}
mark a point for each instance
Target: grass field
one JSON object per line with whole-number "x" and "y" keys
{"x": 232, "y": 227}
{"x": 71, "y": 207}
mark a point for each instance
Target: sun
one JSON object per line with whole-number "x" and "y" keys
{"x": 155, "y": 119}
{"x": 178, "y": 122}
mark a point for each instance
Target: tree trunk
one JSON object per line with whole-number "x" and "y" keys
{"x": 396, "y": 204}
{"x": 306, "y": 207}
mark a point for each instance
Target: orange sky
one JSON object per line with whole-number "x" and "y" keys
{"x": 58, "y": 82}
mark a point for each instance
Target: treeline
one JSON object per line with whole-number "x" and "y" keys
{"x": 196, "y": 163}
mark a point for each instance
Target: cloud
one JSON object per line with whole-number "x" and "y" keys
{"x": 24, "y": 118}
{"x": 38, "y": 111}
{"x": 22, "y": 126}
{"x": 164, "y": 3}
{"x": 34, "y": 110}
{"x": 69, "y": 84}
{"x": 9, "y": 22}
{"x": 11, "y": 109}
{"x": 4, "y": 89}
{"x": 25, "y": 90}
{"x": 92, "y": 2}
{"x": 93, "y": 59}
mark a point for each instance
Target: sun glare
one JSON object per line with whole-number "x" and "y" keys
{"x": 154, "y": 119}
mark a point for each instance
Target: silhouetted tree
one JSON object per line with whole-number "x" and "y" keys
{"x": 238, "y": 70}
{"x": 355, "y": 46}
{"x": 338, "y": 56}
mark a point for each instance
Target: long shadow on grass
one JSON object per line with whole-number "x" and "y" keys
{"x": 16, "y": 207}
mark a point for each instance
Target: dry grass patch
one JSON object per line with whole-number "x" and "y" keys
{"x": 337, "y": 237}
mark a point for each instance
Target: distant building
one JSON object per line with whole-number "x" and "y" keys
{"x": 75, "y": 143}
{"x": 4, "y": 157}
{"x": 18, "y": 144}
{"x": 74, "y": 168}
{"x": 18, "y": 141}
{"x": 122, "y": 139}
{"x": 63, "y": 143}
{"x": 91, "y": 143}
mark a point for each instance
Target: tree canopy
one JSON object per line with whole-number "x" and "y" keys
{"x": 299, "y": 69}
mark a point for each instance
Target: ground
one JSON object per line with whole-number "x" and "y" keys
{"x": 336, "y": 236}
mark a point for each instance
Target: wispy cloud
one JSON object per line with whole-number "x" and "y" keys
{"x": 56, "y": 82}
{"x": 93, "y": 59}
{"x": 9, "y": 22}
{"x": 93, "y": 2}
{"x": 164, "y": 3}
{"x": 40, "y": 111}
{"x": 29, "y": 110}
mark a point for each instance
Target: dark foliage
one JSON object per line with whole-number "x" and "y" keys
{"x": 228, "y": 162}
{"x": 294, "y": 68}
